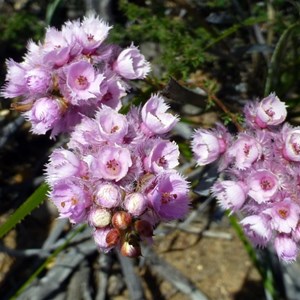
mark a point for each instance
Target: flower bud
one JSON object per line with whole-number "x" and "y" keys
{"x": 130, "y": 250}
{"x": 121, "y": 220}
{"x": 143, "y": 228}
{"x": 113, "y": 237}
{"x": 108, "y": 195}
{"x": 99, "y": 217}
{"x": 135, "y": 203}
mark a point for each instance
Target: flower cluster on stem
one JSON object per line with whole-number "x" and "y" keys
{"x": 261, "y": 174}
{"x": 70, "y": 74}
{"x": 117, "y": 174}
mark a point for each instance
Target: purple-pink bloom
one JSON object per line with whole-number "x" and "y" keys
{"x": 168, "y": 196}
{"x": 112, "y": 125}
{"x": 131, "y": 64}
{"x": 230, "y": 194}
{"x": 155, "y": 118}
{"x": 64, "y": 164}
{"x": 257, "y": 229}
{"x": 92, "y": 33}
{"x": 71, "y": 199}
{"x": 246, "y": 150}
{"x": 270, "y": 111}
{"x": 286, "y": 247}
{"x": 284, "y": 215}
{"x": 111, "y": 163}
{"x": 163, "y": 155}
{"x": 83, "y": 82}
{"x": 208, "y": 145}
{"x": 44, "y": 114}
{"x": 291, "y": 147}
{"x": 263, "y": 185}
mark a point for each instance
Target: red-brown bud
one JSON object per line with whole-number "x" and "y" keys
{"x": 143, "y": 228}
{"x": 121, "y": 220}
{"x": 130, "y": 250}
{"x": 113, "y": 237}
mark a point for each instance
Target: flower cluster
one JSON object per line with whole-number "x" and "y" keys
{"x": 70, "y": 74}
{"x": 117, "y": 174}
{"x": 261, "y": 174}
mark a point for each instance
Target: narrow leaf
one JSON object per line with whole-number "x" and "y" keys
{"x": 25, "y": 209}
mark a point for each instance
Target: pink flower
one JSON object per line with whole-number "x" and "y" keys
{"x": 163, "y": 155}
{"x": 284, "y": 215}
{"x": 291, "y": 147}
{"x": 83, "y": 82}
{"x": 230, "y": 194}
{"x": 257, "y": 229}
{"x": 270, "y": 111}
{"x": 71, "y": 200}
{"x": 37, "y": 80}
{"x": 245, "y": 150}
{"x": 92, "y": 33}
{"x": 131, "y": 64}
{"x": 263, "y": 185}
{"x": 155, "y": 118}
{"x": 44, "y": 114}
{"x": 64, "y": 164}
{"x": 112, "y": 125}
{"x": 169, "y": 196}
{"x": 207, "y": 146}
{"x": 108, "y": 195}
{"x": 286, "y": 248}
{"x": 111, "y": 163}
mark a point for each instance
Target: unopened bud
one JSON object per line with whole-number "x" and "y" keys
{"x": 108, "y": 195}
{"x": 121, "y": 220}
{"x": 135, "y": 203}
{"x": 143, "y": 228}
{"x": 130, "y": 250}
{"x": 113, "y": 237}
{"x": 100, "y": 217}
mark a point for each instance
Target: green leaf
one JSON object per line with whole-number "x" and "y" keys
{"x": 276, "y": 58}
{"x": 25, "y": 209}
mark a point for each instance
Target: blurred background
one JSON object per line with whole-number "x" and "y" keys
{"x": 205, "y": 55}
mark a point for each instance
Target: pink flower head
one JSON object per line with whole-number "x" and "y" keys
{"x": 111, "y": 163}
{"x": 37, "y": 80}
{"x": 71, "y": 200}
{"x": 100, "y": 235}
{"x": 257, "y": 229}
{"x": 263, "y": 185}
{"x": 83, "y": 81}
{"x": 270, "y": 111}
{"x": 286, "y": 248}
{"x": 291, "y": 147}
{"x": 284, "y": 215}
{"x": 135, "y": 203}
{"x": 131, "y": 64}
{"x": 15, "y": 82}
{"x": 112, "y": 125}
{"x": 108, "y": 195}
{"x": 56, "y": 48}
{"x": 169, "y": 196}
{"x": 230, "y": 194}
{"x": 207, "y": 146}
{"x": 92, "y": 33}
{"x": 164, "y": 155}
{"x": 64, "y": 164}
{"x": 246, "y": 150}
{"x": 44, "y": 114}
{"x": 155, "y": 118}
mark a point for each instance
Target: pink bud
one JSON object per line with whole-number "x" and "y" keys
{"x": 130, "y": 250}
{"x": 99, "y": 217}
{"x": 113, "y": 237}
